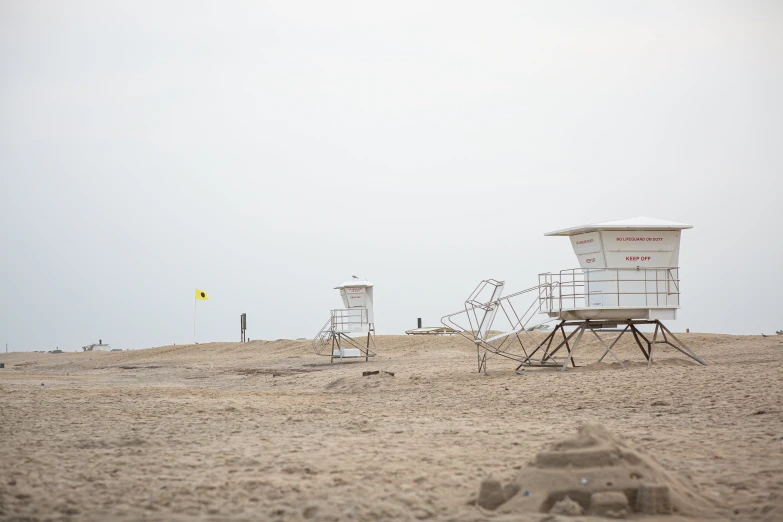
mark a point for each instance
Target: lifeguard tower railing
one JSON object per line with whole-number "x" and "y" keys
{"x": 350, "y": 320}
{"x": 336, "y": 338}
{"x": 633, "y": 287}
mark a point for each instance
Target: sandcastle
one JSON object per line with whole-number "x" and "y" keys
{"x": 594, "y": 473}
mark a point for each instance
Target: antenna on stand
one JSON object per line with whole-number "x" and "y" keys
{"x": 242, "y": 326}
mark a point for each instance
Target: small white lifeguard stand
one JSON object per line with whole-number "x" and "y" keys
{"x": 357, "y": 318}
{"x": 628, "y": 275}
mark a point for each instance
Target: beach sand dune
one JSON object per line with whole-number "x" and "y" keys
{"x": 267, "y": 430}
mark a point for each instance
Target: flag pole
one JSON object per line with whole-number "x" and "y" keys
{"x": 194, "y": 317}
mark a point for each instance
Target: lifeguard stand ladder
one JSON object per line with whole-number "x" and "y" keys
{"x": 338, "y": 338}
{"x": 628, "y": 277}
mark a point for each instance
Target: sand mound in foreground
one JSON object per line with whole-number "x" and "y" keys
{"x": 594, "y": 473}
{"x": 359, "y": 383}
{"x": 612, "y": 365}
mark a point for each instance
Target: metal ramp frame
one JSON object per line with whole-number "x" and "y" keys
{"x": 480, "y": 313}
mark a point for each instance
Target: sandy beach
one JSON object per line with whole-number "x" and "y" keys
{"x": 267, "y": 430}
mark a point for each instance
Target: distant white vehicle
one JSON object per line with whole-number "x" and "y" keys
{"x": 97, "y": 347}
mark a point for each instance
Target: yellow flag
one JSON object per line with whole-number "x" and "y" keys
{"x": 202, "y": 295}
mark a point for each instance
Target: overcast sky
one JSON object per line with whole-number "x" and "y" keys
{"x": 267, "y": 151}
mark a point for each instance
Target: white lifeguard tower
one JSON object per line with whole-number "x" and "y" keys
{"x": 97, "y": 347}
{"x": 628, "y": 276}
{"x": 338, "y": 338}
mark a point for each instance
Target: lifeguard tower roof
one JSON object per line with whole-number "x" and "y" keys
{"x": 637, "y": 223}
{"x": 353, "y": 282}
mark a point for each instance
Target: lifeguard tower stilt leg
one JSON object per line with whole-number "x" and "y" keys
{"x": 547, "y": 358}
